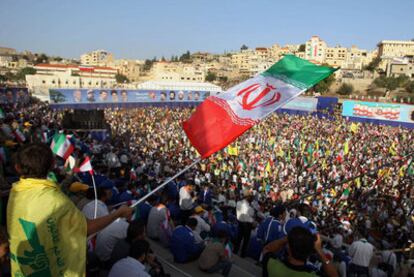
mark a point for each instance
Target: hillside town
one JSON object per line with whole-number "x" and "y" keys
{"x": 385, "y": 71}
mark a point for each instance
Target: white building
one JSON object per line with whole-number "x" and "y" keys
{"x": 68, "y": 76}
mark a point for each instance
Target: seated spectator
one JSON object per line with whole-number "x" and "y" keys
{"x": 159, "y": 224}
{"x": 103, "y": 194}
{"x": 145, "y": 207}
{"x": 202, "y": 226}
{"x": 213, "y": 258}
{"x": 108, "y": 237}
{"x": 135, "y": 231}
{"x": 301, "y": 243}
{"x": 183, "y": 244}
{"x": 134, "y": 264}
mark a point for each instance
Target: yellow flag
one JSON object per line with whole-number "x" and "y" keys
{"x": 268, "y": 168}
{"x": 45, "y": 241}
{"x": 233, "y": 151}
{"x": 354, "y": 127}
{"x": 346, "y": 147}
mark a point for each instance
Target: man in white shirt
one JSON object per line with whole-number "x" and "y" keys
{"x": 361, "y": 252}
{"x": 88, "y": 210}
{"x": 186, "y": 201}
{"x": 133, "y": 265}
{"x": 108, "y": 237}
{"x": 245, "y": 214}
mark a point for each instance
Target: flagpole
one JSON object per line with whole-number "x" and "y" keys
{"x": 166, "y": 182}
{"x": 96, "y": 197}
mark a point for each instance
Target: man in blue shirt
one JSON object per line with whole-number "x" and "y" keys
{"x": 272, "y": 227}
{"x": 183, "y": 244}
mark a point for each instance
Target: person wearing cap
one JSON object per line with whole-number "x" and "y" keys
{"x": 77, "y": 193}
{"x": 202, "y": 227}
{"x": 300, "y": 244}
{"x": 245, "y": 214}
{"x": 49, "y": 239}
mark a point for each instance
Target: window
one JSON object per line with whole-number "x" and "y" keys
{"x": 74, "y": 82}
{"x": 67, "y": 82}
{"x": 43, "y": 82}
{"x": 53, "y": 81}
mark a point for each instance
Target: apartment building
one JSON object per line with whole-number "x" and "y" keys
{"x": 315, "y": 49}
{"x": 179, "y": 72}
{"x": 96, "y": 58}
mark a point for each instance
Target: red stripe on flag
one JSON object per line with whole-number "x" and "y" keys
{"x": 210, "y": 128}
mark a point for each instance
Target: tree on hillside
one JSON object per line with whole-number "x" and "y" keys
{"x": 345, "y": 89}
{"x": 120, "y": 79}
{"x": 211, "y": 77}
{"x": 21, "y": 75}
{"x": 324, "y": 85}
{"x": 410, "y": 87}
{"x": 186, "y": 57}
{"x": 244, "y": 47}
{"x": 42, "y": 58}
{"x": 148, "y": 65}
{"x": 302, "y": 48}
{"x": 373, "y": 64}
{"x": 390, "y": 83}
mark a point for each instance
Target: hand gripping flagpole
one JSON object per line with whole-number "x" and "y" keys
{"x": 166, "y": 182}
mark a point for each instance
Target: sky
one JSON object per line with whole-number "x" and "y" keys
{"x": 140, "y": 29}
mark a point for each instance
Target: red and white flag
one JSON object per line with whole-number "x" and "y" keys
{"x": 222, "y": 118}
{"x": 85, "y": 166}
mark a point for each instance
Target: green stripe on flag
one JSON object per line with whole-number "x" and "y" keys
{"x": 298, "y": 72}
{"x": 59, "y": 140}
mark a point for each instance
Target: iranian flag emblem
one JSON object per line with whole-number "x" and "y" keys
{"x": 220, "y": 119}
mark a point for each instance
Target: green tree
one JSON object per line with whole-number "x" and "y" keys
{"x": 21, "y": 75}
{"x": 244, "y": 47}
{"x": 345, "y": 89}
{"x": 148, "y": 65}
{"x": 302, "y": 48}
{"x": 120, "y": 79}
{"x": 324, "y": 85}
{"x": 410, "y": 87}
{"x": 42, "y": 58}
{"x": 211, "y": 77}
{"x": 389, "y": 83}
{"x": 186, "y": 57}
{"x": 373, "y": 64}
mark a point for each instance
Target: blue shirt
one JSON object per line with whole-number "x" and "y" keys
{"x": 183, "y": 245}
{"x": 269, "y": 230}
{"x": 144, "y": 209}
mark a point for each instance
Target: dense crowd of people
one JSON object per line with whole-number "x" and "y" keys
{"x": 271, "y": 196}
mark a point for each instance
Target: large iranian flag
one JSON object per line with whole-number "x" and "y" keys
{"x": 221, "y": 118}
{"x": 61, "y": 146}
